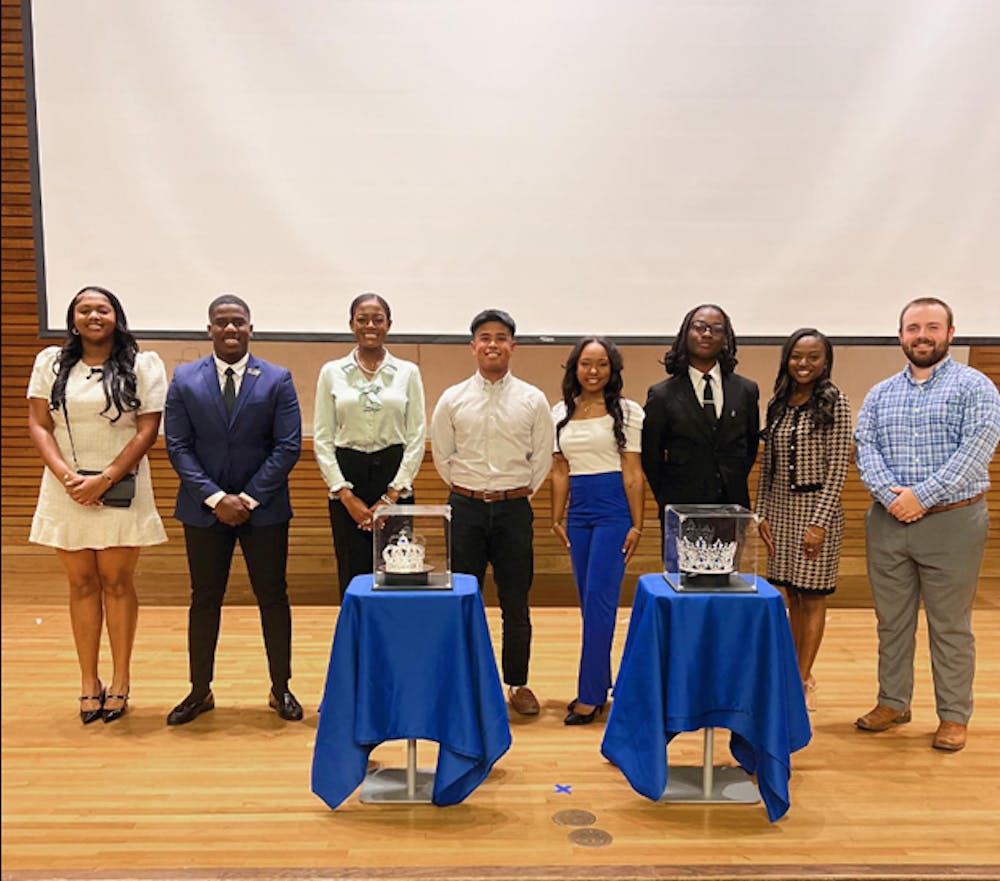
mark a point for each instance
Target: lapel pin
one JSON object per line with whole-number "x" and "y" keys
{"x": 253, "y": 371}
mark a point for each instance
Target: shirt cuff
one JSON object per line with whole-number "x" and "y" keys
{"x": 886, "y": 497}
{"x": 251, "y": 502}
{"x": 214, "y": 499}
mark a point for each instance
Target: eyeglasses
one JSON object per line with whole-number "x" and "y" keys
{"x": 703, "y": 327}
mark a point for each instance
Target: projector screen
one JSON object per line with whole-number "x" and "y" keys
{"x": 588, "y": 165}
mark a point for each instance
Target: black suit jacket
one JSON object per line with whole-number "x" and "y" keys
{"x": 690, "y": 459}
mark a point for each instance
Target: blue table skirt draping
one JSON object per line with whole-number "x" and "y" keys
{"x": 411, "y": 664}
{"x": 708, "y": 660}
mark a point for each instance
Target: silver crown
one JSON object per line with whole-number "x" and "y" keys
{"x": 701, "y": 557}
{"x": 403, "y": 554}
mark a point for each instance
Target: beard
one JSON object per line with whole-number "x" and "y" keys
{"x": 927, "y": 359}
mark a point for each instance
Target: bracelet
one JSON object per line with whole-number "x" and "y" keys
{"x": 556, "y": 523}
{"x": 635, "y": 529}
{"x": 387, "y": 500}
{"x": 104, "y": 474}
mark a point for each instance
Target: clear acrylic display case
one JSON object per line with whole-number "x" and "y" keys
{"x": 710, "y": 548}
{"x": 412, "y": 547}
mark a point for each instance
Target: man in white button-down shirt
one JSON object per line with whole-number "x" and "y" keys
{"x": 491, "y": 437}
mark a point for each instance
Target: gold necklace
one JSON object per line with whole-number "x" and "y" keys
{"x": 588, "y": 406}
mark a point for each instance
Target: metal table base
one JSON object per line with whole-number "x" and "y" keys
{"x": 708, "y": 784}
{"x": 408, "y": 785}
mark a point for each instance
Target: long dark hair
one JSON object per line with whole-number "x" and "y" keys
{"x": 571, "y": 388}
{"x": 118, "y": 372}
{"x": 676, "y": 359}
{"x": 824, "y": 393}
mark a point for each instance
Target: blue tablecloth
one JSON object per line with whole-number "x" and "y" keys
{"x": 411, "y": 664}
{"x": 708, "y": 660}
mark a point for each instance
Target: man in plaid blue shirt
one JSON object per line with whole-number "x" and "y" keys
{"x": 925, "y": 438}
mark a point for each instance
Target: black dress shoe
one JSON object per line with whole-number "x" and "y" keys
{"x": 286, "y": 706}
{"x": 575, "y": 718}
{"x": 88, "y": 716}
{"x": 190, "y": 709}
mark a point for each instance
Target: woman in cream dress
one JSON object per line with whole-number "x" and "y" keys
{"x": 94, "y": 405}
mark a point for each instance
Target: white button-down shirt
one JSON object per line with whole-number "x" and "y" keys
{"x": 698, "y": 381}
{"x": 239, "y": 368}
{"x": 492, "y": 435}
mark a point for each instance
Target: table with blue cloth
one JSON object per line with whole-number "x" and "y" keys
{"x": 411, "y": 664}
{"x": 708, "y": 660}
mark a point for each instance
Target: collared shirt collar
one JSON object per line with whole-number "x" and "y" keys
{"x": 942, "y": 365}
{"x": 389, "y": 365}
{"x": 697, "y": 378}
{"x": 238, "y": 368}
{"x": 486, "y": 384}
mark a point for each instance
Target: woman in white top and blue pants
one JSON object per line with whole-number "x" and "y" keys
{"x": 368, "y": 434}
{"x": 597, "y": 469}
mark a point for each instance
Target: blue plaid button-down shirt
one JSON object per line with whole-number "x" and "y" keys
{"x": 936, "y": 437}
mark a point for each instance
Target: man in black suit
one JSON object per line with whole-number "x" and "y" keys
{"x": 702, "y": 426}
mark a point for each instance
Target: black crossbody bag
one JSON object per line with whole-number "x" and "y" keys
{"x": 121, "y": 492}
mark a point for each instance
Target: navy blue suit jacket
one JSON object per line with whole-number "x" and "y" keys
{"x": 251, "y": 452}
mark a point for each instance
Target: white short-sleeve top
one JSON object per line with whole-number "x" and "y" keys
{"x": 589, "y": 444}
{"x": 59, "y": 521}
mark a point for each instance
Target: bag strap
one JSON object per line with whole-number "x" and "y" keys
{"x": 72, "y": 446}
{"x": 69, "y": 431}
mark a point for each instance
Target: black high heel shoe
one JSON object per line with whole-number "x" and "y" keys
{"x": 116, "y": 712}
{"x": 88, "y": 716}
{"x": 575, "y": 718}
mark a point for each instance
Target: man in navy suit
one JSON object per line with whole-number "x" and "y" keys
{"x": 702, "y": 426}
{"x": 234, "y": 433}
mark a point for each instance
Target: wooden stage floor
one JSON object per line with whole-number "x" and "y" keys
{"x": 228, "y": 796}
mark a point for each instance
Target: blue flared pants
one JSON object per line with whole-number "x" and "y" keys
{"x": 597, "y": 523}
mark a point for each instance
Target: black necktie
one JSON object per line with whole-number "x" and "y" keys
{"x": 708, "y": 399}
{"x": 229, "y": 391}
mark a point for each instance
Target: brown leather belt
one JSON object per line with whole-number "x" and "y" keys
{"x": 493, "y": 495}
{"x": 937, "y": 509}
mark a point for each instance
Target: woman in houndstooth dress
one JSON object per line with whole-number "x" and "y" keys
{"x": 807, "y": 447}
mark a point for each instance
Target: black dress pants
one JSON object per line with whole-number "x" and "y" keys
{"x": 499, "y": 534}
{"x": 371, "y": 474}
{"x": 210, "y": 556}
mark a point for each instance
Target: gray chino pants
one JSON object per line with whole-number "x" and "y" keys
{"x": 935, "y": 560}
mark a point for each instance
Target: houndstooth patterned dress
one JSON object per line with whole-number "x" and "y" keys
{"x": 802, "y": 478}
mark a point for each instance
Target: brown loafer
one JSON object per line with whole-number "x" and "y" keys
{"x": 882, "y": 718}
{"x": 523, "y": 700}
{"x": 950, "y": 736}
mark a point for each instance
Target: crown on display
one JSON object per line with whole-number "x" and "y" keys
{"x": 403, "y": 554}
{"x": 701, "y": 557}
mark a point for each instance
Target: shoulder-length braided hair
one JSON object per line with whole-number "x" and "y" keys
{"x": 571, "y": 388}
{"x": 118, "y": 372}
{"x": 676, "y": 359}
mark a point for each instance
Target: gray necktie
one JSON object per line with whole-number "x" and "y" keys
{"x": 229, "y": 391}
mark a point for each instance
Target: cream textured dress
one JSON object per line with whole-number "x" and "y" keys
{"x": 60, "y": 522}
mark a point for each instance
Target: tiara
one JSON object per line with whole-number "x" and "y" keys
{"x": 699, "y": 557}
{"x": 403, "y": 554}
